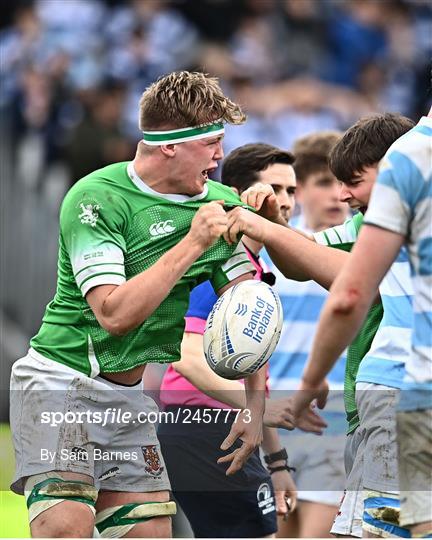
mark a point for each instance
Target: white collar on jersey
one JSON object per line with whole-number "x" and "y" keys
{"x": 142, "y": 186}
{"x": 425, "y": 121}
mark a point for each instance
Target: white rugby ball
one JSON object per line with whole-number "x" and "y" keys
{"x": 243, "y": 329}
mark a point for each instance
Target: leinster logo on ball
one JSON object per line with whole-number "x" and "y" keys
{"x": 152, "y": 460}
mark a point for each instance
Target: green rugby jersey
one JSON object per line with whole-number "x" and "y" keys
{"x": 113, "y": 227}
{"x": 343, "y": 237}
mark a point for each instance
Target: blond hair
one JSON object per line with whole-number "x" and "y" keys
{"x": 184, "y": 99}
{"x": 312, "y": 153}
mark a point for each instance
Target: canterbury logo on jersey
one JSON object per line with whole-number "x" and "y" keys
{"x": 163, "y": 227}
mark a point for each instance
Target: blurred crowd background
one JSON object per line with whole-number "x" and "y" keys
{"x": 72, "y": 72}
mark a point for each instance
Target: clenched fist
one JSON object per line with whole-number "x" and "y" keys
{"x": 242, "y": 221}
{"x": 209, "y": 223}
{"x": 263, "y": 199}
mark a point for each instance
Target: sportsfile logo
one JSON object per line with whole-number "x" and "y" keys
{"x": 162, "y": 227}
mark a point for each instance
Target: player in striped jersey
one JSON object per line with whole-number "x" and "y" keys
{"x": 380, "y": 372}
{"x": 135, "y": 238}
{"x": 358, "y": 154}
{"x": 399, "y": 214}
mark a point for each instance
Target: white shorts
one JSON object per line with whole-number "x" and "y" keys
{"x": 376, "y": 406}
{"x": 415, "y": 466}
{"x": 372, "y": 501}
{"x": 62, "y": 420}
{"x": 348, "y": 521}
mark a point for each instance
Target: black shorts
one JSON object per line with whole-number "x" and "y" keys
{"x": 216, "y": 505}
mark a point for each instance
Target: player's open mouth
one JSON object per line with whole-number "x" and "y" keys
{"x": 206, "y": 172}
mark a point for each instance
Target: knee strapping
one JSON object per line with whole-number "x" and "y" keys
{"x": 44, "y": 491}
{"x": 381, "y": 515}
{"x": 117, "y": 521}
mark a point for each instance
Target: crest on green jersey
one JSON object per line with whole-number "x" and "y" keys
{"x": 89, "y": 214}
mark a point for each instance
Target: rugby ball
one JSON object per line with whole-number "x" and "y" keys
{"x": 243, "y": 329}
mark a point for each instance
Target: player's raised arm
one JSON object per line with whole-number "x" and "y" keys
{"x": 349, "y": 300}
{"x": 296, "y": 256}
{"x": 121, "y": 308}
{"x": 344, "y": 311}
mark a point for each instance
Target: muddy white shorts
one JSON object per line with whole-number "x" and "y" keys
{"x": 62, "y": 420}
{"x": 348, "y": 521}
{"x": 372, "y": 500}
{"x": 415, "y": 465}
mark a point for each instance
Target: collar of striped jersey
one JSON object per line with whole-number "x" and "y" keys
{"x": 426, "y": 121}
{"x": 175, "y": 136}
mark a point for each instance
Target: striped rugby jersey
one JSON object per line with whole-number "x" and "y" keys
{"x": 385, "y": 362}
{"x": 402, "y": 202}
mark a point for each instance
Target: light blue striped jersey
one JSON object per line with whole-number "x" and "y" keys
{"x": 402, "y": 202}
{"x": 302, "y": 303}
{"x": 390, "y": 349}
{"x": 385, "y": 362}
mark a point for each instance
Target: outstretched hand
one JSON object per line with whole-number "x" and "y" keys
{"x": 248, "y": 428}
{"x": 306, "y": 394}
{"x": 279, "y": 413}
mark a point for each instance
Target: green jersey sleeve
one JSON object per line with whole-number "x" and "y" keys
{"x": 342, "y": 236}
{"x": 234, "y": 267}
{"x": 91, "y": 230}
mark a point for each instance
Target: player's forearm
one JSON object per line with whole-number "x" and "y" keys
{"x": 350, "y": 297}
{"x": 231, "y": 394}
{"x": 255, "y": 392}
{"x": 197, "y": 372}
{"x": 130, "y": 304}
{"x": 194, "y": 368}
{"x": 340, "y": 322}
{"x": 271, "y": 442}
{"x": 301, "y": 259}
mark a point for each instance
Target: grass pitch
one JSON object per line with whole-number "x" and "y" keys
{"x": 13, "y": 510}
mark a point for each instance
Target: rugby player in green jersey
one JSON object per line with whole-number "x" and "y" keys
{"x": 135, "y": 238}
